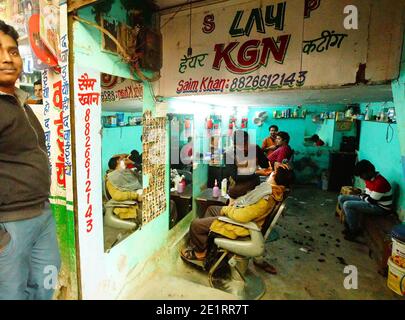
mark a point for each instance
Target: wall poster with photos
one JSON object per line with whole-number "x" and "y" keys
{"x": 153, "y": 159}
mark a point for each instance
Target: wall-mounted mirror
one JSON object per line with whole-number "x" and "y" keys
{"x": 121, "y": 156}
{"x": 181, "y": 133}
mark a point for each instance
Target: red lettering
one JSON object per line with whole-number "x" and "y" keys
{"x": 247, "y": 57}
{"x": 221, "y": 53}
{"x": 279, "y": 52}
{"x": 248, "y": 54}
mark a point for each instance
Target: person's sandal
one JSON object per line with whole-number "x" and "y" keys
{"x": 190, "y": 254}
{"x": 267, "y": 267}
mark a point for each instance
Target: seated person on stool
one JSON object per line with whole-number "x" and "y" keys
{"x": 254, "y": 206}
{"x": 122, "y": 185}
{"x": 376, "y": 199}
{"x": 242, "y": 161}
{"x": 283, "y": 150}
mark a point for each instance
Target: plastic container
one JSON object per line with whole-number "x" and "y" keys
{"x": 224, "y": 185}
{"x": 120, "y": 119}
{"x": 396, "y": 278}
{"x": 182, "y": 185}
{"x": 398, "y": 245}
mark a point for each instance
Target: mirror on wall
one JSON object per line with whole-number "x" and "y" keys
{"x": 121, "y": 156}
{"x": 181, "y": 132}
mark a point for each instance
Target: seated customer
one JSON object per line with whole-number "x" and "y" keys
{"x": 376, "y": 199}
{"x": 242, "y": 161}
{"x": 122, "y": 185}
{"x": 317, "y": 141}
{"x": 283, "y": 151}
{"x": 254, "y": 206}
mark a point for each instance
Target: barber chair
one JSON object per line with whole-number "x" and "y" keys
{"x": 112, "y": 220}
{"x": 233, "y": 257}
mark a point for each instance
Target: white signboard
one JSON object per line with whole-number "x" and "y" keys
{"x": 247, "y": 46}
{"x": 88, "y": 168}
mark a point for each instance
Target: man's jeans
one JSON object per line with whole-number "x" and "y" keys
{"x": 30, "y": 262}
{"x": 354, "y": 208}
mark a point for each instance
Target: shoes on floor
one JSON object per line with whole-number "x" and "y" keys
{"x": 352, "y": 236}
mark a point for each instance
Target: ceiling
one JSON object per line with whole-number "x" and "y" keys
{"x": 166, "y": 4}
{"x": 345, "y": 95}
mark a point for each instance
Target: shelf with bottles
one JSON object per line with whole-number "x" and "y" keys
{"x": 126, "y": 126}
{"x": 295, "y": 114}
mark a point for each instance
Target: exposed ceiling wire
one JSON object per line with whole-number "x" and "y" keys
{"x": 133, "y": 62}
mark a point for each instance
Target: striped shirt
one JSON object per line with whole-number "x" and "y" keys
{"x": 379, "y": 192}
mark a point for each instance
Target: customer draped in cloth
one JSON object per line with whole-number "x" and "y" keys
{"x": 254, "y": 206}
{"x": 123, "y": 184}
{"x": 242, "y": 161}
{"x": 376, "y": 199}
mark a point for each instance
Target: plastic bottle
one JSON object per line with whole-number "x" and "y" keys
{"x": 367, "y": 115}
{"x": 182, "y": 185}
{"x": 215, "y": 190}
{"x": 224, "y": 185}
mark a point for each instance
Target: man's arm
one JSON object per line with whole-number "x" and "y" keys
{"x": 249, "y": 213}
{"x": 119, "y": 195}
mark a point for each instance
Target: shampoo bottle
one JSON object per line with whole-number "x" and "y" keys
{"x": 215, "y": 190}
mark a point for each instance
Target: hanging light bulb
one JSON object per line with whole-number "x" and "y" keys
{"x": 189, "y": 50}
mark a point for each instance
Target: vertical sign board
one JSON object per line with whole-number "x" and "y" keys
{"x": 56, "y": 124}
{"x": 88, "y": 178}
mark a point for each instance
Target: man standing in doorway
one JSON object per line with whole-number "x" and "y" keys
{"x": 269, "y": 144}
{"x": 29, "y": 254}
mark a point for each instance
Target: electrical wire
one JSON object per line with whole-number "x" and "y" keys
{"x": 189, "y": 52}
{"x": 387, "y": 133}
{"x": 132, "y": 61}
{"x": 172, "y": 17}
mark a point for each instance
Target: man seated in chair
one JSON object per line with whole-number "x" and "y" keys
{"x": 254, "y": 206}
{"x": 122, "y": 184}
{"x": 376, "y": 199}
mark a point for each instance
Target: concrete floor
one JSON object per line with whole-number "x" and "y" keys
{"x": 310, "y": 255}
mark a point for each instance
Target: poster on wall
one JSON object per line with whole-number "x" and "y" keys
{"x": 154, "y": 153}
{"x": 87, "y": 95}
{"x": 50, "y": 25}
{"x": 249, "y": 46}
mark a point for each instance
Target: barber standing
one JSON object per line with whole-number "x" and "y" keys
{"x": 29, "y": 254}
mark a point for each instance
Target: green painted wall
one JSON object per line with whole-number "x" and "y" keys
{"x": 384, "y": 153}
{"x": 65, "y": 226}
{"x": 398, "y": 91}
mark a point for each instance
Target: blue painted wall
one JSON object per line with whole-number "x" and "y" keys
{"x": 117, "y": 140}
{"x": 309, "y": 161}
{"x": 384, "y": 153}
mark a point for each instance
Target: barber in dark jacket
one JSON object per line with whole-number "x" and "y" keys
{"x": 241, "y": 162}
{"x": 29, "y": 254}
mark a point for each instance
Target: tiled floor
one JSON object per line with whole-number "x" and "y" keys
{"x": 309, "y": 254}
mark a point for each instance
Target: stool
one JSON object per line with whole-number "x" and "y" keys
{"x": 345, "y": 190}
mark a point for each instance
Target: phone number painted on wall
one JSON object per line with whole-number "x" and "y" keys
{"x": 270, "y": 81}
